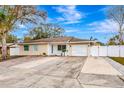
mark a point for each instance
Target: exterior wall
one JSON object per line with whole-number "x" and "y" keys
{"x": 55, "y": 50}
{"x": 47, "y": 48}
{"x": 43, "y": 48}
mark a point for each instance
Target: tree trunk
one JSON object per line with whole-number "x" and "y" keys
{"x": 4, "y": 47}
{"x": 120, "y": 34}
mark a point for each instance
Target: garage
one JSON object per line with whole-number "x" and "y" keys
{"x": 79, "y": 50}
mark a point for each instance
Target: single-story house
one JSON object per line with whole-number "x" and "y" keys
{"x": 67, "y": 46}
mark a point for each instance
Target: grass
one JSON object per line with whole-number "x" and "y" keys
{"x": 119, "y": 59}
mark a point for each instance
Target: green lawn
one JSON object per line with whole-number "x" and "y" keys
{"x": 118, "y": 59}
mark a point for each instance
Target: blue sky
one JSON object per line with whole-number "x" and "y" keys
{"x": 81, "y": 21}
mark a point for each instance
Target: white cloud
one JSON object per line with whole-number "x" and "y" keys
{"x": 104, "y": 26}
{"x": 49, "y": 20}
{"x": 105, "y": 9}
{"x": 69, "y": 14}
{"x": 72, "y": 30}
{"x": 21, "y": 26}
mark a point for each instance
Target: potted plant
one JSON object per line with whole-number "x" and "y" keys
{"x": 44, "y": 54}
{"x": 63, "y": 51}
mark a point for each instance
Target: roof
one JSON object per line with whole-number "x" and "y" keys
{"x": 9, "y": 45}
{"x": 57, "y": 39}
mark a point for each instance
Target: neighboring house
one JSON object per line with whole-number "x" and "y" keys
{"x": 68, "y": 46}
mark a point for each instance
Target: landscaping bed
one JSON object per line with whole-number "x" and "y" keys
{"x": 118, "y": 59}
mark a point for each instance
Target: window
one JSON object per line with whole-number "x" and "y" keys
{"x": 26, "y": 47}
{"x": 35, "y": 47}
{"x": 61, "y": 47}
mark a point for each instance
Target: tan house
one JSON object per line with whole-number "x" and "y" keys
{"x": 68, "y": 46}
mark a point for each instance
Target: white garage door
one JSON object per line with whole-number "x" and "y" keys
{"x": 79, "y": 50}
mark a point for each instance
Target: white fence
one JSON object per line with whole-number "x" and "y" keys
{"x": 112, "y": 51}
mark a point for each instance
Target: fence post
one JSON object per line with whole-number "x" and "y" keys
{"x": 107, "y": 50}
{"x": 119, "y": 51}
{"x": 98, "y": 51}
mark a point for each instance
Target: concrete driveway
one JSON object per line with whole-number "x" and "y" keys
{"x": 59, "y": 72}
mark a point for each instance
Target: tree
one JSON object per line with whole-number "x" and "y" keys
{"x": 116, "y": 13}
{"x": 111, "y": 42}
{"x": 46, "y": 31}
{"x": 53, "y": 30}
{"x": 115, "y": 41}
{"x": 37, "y": 33}
{"x": 27, "y": 38}
{"x": 11, "y": 16}
{"x": 11, "y": 38}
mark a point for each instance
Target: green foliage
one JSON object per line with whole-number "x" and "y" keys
{"x": 37, "y": 33}
{"x": 111, "y": 43}
{"x": 12, "y": 16}
{"x": 122, "y": 43}
{"x": 115, "y": 41}
{"x": 27, "y": 38}
{"x": 44, "y": 54}
{"x": 11, "y": 38}
{"x": 46, "y": 31}
{"x": 119, "y": 59}
{"x": 64, "y": 50}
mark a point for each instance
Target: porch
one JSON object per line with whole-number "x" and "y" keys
{"x": 61, "y": 49}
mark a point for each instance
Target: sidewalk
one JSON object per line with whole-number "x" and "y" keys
{"x": 97, "y": 72}
{"x": 98, "y": 65}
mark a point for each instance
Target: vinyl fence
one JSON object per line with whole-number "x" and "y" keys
{"x": 112, "y": 51}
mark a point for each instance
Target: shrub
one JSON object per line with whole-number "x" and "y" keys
{"x": 44, "y": 54}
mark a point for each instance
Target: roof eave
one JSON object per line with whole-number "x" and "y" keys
{"x": 56, "y": 42}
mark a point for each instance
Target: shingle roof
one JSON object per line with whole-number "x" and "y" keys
{"x": 58, "y": 39}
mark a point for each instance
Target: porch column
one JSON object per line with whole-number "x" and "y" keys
{"x": 49, "y": 49}
{"x": 68, "y": 50}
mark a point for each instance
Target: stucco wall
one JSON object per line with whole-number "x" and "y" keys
{"x": 41, "y": 49}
